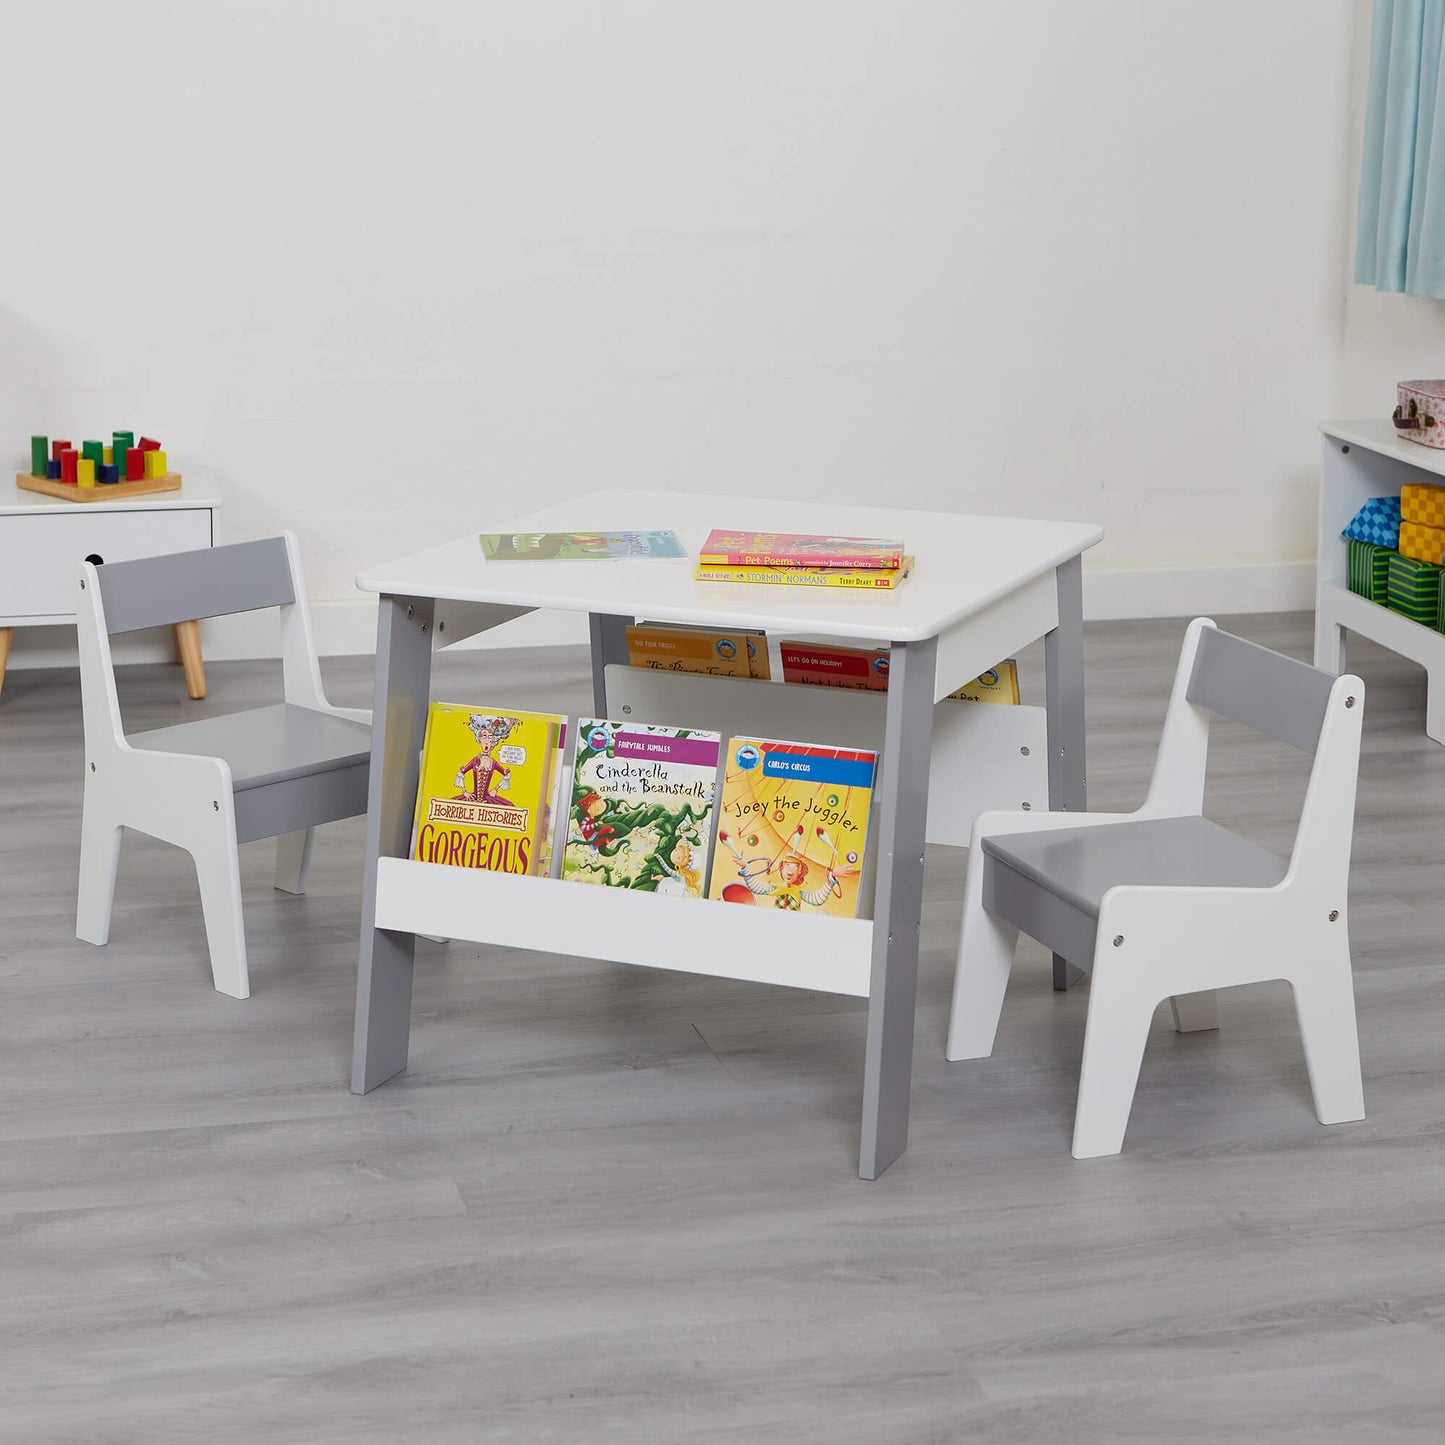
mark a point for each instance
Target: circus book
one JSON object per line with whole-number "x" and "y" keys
{"x": 641, "y": 808}
{"x": 792, "y": 826}
{"x": 725, "y": 548}
{"x": 487, "y": 788}
{"x": 574, "y": 546}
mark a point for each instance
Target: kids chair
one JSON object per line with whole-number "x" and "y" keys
{"x": 209, "y": 785}
{"x": 1164, "y": 903}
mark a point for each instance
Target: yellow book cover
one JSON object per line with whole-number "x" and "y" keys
{"x": 687, "y": 649}
{"x": 874, "y": 578}
{"x": 792, "y": 826}
{"x": 757, "y": 645}
{"x": 998, "y": 684}
{"x": 486, "y": 788}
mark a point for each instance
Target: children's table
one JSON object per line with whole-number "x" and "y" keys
{"x": 1364, "y": 459}
{"x": 981, "y": 589}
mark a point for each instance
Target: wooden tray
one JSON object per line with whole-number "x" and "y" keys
{"x": 101, "y": 491}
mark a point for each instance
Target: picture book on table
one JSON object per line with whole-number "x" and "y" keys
{"x": 576, "y": 546}
{"x": 488, "y": 788}
{"x": 641, "y": 807}
{"x": 810, "y": 576}
{"x": 792, "y": 826}
{"x": 726, "y": 548}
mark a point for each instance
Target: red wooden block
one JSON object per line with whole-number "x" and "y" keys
{"x": 68, "y": 459}
{"x": 135, "y": 464}
{"x": 56, "y": 447}
{"x": 147, "y": 445}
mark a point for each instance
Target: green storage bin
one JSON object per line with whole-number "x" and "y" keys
{"x": 1413, "y": 589}
{"x": 1369, "y": 570}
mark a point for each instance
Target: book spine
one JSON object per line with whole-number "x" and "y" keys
{"x": 881, "y": 582}
{"x": 887, "y": 561}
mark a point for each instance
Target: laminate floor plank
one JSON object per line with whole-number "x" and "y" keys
{"x": 619, "y": 1205}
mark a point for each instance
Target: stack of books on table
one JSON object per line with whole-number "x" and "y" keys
{"x": 800, "y": 560}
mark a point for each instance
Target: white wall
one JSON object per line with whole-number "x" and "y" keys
{"x": 389, "y": 272}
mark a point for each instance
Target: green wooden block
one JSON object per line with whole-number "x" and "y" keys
{"x": 39, "y": 455}
{"x": 95, "y": 451}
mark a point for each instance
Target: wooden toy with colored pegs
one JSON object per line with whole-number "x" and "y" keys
{"x": 97, "y": 472}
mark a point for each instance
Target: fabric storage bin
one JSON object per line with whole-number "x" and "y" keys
{"x": 1423, "y": 502}
{"x": 1413, "y": 589}
{"x": 1378, "y": 521}
{"x": 1424, "y": 544}
{"x": 1368, "y": 570}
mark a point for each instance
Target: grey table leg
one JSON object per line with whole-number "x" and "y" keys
{"x": 383, "y": 976}
{"x": 609, "y": 644}
{"x": 1064, "y": 686}
{"x": 902, "y": 803}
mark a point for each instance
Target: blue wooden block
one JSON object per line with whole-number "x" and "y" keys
{"x": 52, "y": 469}
{"x": 109, "y": 473}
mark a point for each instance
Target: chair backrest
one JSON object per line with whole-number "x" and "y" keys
{"x": 1289, "y": 701}
{"x": 212, "y": 582}
{"x": 1265, "y": 690}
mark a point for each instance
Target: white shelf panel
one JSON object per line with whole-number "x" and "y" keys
{"x": 1400, "y": 634}
{"x": 689, "y": 935}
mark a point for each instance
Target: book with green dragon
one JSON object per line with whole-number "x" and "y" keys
{"x": 641, "y": 807}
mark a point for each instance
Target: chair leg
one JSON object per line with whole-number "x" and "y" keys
{"x": 1195, "y": 1012}
{"x": 218, "y": 871}
{"x": 985, "y": 958}
{"x": 293, "y": 857}
{"x": 1324, "y": 1002}
{"x": 5, "y": 635}
{"x": 100, "y": 837}
{"x": 188, "y": 649}
{"x": 1114, "y": 1037}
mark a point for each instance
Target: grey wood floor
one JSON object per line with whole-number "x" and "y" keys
{"x": 613, "y": 1205}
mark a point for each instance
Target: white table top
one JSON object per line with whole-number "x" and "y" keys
{"x": 963, "y": 564}
{"x": 1378, "y": 434}
{"x": 16, "y": 502}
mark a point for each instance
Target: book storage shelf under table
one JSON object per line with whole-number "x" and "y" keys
{"x": 1360, "y": 460}
{"x": 939, "y": 762}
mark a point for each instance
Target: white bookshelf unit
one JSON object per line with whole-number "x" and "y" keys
{"x": 1364, "y": 459}
{"x": 981, "y": 590}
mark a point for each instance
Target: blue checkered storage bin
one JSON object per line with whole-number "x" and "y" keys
{"x": 1377, "y": 522}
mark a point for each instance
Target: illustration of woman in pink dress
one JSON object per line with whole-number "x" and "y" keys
{"x": 490, "y": 733}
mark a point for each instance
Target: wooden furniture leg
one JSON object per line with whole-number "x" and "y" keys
{"x": 188, "y": 647}
{"x": 4, "y": 652}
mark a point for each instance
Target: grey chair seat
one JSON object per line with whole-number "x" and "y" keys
{"x": 267, "y": 744}
{"x": 1051, "y": 884}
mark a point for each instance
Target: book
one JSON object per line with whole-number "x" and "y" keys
{"x": 689, "y": 649}
{"x": 757, "y": 645}
{"x": 486, "y": 785}
{"x": 550, "y": 856}
{"x": 792, "y": 826}
{"x": 998, "y": 684}
{"x": 828, "y": 665}
{"x": 725, "y": 548}
{"x": 874, "y": 577}
{"x": 574, "y": 546}
{"x": 641, "y": 807}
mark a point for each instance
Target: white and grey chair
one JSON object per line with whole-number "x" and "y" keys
{"x": 1163, "y": 903}
{"x": 209, "y": 785}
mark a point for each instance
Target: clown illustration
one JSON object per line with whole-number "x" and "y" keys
{"x": 490, "y": 733}
{"x": 783, "y": 879}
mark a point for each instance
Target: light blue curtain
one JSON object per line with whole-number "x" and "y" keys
{"x": 1400, "y": 241}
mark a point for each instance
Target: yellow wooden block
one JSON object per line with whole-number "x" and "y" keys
{"x": 155, "y": 464}
{"x": 85, "y": 472}
{"x": 107, "y": 456}
{"x": 1421, "y": 543}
